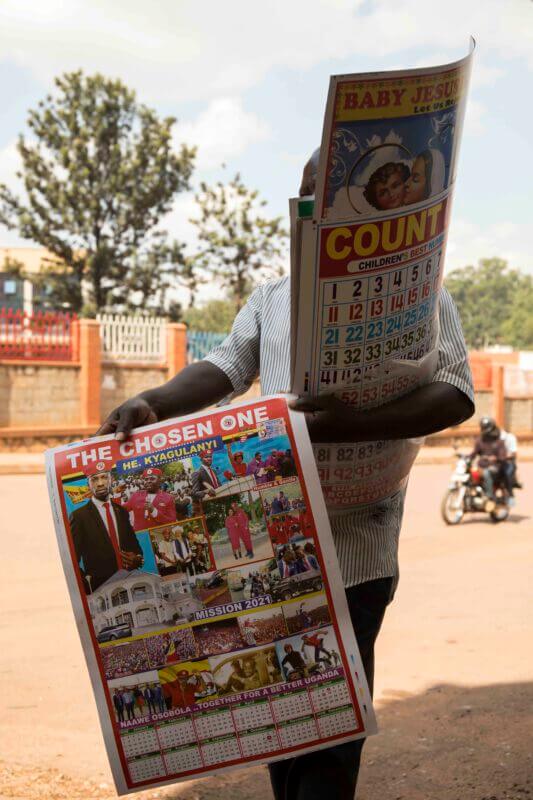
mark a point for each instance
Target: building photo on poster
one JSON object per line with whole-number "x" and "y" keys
{"x": 207, "y": 593}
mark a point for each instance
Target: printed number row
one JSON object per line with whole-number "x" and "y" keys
{"x": 342, "y": 291}
{"x": 373, "y": 351}
{"x": 414, "y": 299}
{"x": 374, "y": 329}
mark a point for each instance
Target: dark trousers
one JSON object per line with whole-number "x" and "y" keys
{"x": 509, "y": 476}
{"x": 332, "y": 773}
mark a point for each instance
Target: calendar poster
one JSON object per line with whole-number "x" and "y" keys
{"x": 207, "y": 594}
{"x": 369, "y": 262}
{"x": 390, "y": 139}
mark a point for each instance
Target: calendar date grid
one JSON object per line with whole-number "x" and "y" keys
{"x": 152, "y": 751}
{"x": 400, "y": 307}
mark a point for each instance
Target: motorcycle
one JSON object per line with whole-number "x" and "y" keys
{"x": 466, "y": 494}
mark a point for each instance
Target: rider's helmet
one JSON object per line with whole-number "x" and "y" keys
{"x": 488, "y": 427}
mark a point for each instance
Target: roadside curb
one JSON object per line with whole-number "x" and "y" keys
{"x": 21, "y": 469}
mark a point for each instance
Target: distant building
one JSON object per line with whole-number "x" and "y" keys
{"x": 15, "y": 293}
{"x": 21, "y": 294}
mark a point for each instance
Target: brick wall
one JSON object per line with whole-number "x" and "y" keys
{"x": 519, "y": 413}
{"x": 484, "y": 407}
{"x": 39, "y": 394}
{"x": 122, "y": 381}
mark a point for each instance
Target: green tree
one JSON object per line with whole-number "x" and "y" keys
{"x": 517, "y": 329}
{"x": 98, "y": 173}
{"x": 216, "y": 316}
{"x": 239, "y": 245}
{"x": 494, "y": 303}
{"x": 186, "y": 270}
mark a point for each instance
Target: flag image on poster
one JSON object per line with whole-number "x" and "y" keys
{"x": 367, "y": 260}
{"x": 207, "y": 594}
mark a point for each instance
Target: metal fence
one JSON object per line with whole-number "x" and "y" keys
{"x": 199, "y": 343}
{"x": 43, "y": 336}
{"x": 133, "y": 338}
{"x": 53, "y": 336}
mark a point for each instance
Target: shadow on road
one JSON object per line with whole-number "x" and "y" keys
{"x": 484, "y": 518}
{"x": 448, "y": 743}
{"x": 452, "y": 743}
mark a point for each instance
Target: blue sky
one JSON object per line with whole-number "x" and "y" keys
{"x": 248, "y": 83}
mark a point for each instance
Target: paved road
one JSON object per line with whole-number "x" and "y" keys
{"x": 461, "y": 617}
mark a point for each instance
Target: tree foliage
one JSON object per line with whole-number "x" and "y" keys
{"x": 186, "y": 270}
{"x": 494, "y": 303}
{"x": 238, "y": 244}
{"x": 98, "y": 173}
{"x": 216, "y": 316}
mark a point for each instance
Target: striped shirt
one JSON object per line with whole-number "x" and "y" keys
{"x": 366, "y": 538}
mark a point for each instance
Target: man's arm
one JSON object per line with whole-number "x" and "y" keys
{"x": 448, "y": 400}
{"x": 198, "y": 385}
{"x": 230, "y": 367}
{"x": 424, "y": 411}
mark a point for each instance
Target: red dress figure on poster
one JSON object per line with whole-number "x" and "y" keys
{"x": 243, "y": 528}
{"x": 287, "y": 528}
{"x": 150, "y": 506}
{"x": 232, "y": 526}
{"x": 303, "y": 521}
{"x": 276, "y": 532}
{"x": 237, "y": 462}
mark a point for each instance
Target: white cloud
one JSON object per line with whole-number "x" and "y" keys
{"x": 485, "y": 74}
{"x": 176, "y": 222}
{"x": 10, "y": 162}
{"x": 474, "y": 118}
{"x": 468, "y": 242}
{"x": 188, "y": 50}
{"x": 224, "y": 130}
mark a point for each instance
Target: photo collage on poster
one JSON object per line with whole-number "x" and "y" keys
{"x": 215, "y": 636}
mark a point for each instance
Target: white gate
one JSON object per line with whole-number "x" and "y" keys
{"x": 133, "y": 338}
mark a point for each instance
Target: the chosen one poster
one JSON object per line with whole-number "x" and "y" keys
{"x": 207, "y": 594}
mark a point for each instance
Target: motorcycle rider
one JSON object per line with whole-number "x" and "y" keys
{"x": 491, "y": 452}
{"x": 509, "y": 476}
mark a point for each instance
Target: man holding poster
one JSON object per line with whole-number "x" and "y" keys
{"x": 366, "y": 537}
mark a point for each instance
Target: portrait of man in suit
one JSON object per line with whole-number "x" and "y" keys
{"x": 205, "y": 480}
{"x": 103, "y": 537}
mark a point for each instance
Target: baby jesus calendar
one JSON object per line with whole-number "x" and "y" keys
{"x": 367, "y": 259}
{"x": 207, "y": 594}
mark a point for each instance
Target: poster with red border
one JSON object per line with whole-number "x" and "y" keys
{"x": 207, "y": 594}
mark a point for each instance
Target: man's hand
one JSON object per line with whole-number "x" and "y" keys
{"x": 131, "y": 560}
{"x": 423, "y": 411}
{"x": 198, "y": 385}
{"x": 131, "y": 414}
{"x": 328, "y": 419}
